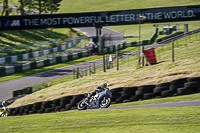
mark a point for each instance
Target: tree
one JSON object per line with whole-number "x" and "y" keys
{"x": 25, "y": 6}
{"x": 40, "y": 6}
{"x": 53, "y": 5}
{"x": 5, "y": 11}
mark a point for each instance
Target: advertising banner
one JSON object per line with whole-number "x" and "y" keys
{"x": 106, "y": 18}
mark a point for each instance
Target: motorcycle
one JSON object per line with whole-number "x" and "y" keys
{"x": 4, "y": 112}
{"x": 100, "y": 100}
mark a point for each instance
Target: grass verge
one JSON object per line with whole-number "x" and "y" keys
{"x": 140, "y": 120}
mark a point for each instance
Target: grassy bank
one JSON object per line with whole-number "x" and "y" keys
{"x": 186, "y": 65}
{"x": 141, "y": 120}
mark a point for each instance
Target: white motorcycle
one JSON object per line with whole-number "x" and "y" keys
{"x": 100, "y": 100}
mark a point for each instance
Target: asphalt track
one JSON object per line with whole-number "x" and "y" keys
{"x": 158, "y": 105}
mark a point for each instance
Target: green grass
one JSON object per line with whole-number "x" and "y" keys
{"x": 141, "y": 120}
{"x": 72, "y": 6}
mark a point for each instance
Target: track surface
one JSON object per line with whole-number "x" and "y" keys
{"x": 159, "y": 105}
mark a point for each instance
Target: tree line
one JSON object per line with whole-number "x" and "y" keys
{"x": 31, "y": 6}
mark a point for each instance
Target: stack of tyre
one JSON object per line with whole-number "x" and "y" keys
{"x": 62, "y": 104}
{"x": 123, "y": 94}
{"x": 174, "y": 88}
{"x": 119, "y": 95}
{"x": 191, "y": 86}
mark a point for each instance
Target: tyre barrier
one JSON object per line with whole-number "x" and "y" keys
{"x": 176, "y": 87}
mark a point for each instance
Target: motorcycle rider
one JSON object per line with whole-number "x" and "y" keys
{"x": 104, "y": 86}
{"x": 4, "y": 104}
{"x": 99, "y": 89}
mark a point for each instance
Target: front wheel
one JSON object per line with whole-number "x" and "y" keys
{"x": 4, "y": 115}
{"x": 105, "y": 102}
{"x": 82, "y": 105}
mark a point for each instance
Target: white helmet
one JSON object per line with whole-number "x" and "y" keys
{"x": 4, "y": 103}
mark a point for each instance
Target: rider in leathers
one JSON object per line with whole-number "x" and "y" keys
{"x": 4, "y": 104}
{"x": 99, "y": 89}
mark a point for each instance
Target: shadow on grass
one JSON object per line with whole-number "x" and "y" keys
{"x": 29, "y": 36}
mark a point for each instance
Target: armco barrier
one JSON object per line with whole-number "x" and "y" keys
{"x": 33, "y": 54}
{"x": 46, "y": 62}
{"x": 40, "y": 63}
{"x": 119, "y": 95}
{"x": 74, "y": 56}
{"x": 58, "y": 59}
{"x": 18, "y": 68}
{"x": 10, "y": 70}
{"x": 26, "y": 67}
{"x": 52, "y": 61}
{"x": 2, "y": 71}
{"x": 33, "y": 65}
{"x": 64, "y": 58}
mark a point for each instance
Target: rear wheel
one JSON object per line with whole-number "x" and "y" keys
{"x": 82, "y": 105}
{"x": 105, "y": 102}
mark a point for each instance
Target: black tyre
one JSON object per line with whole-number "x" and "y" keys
{"x": 167, "y": 93}
{"x": 148, "y": 96}
{"x": 81, "y": 105}
{"x": 175, "y": 87}
{"x": 120, "y": 99}
{"x": 136, "y": 97}
{"x": 179, "y": 81}
{"x": 48, "y": 110}
{"x": 167, "y": 84}
{"x": 126, "y": 94}
{"x": 116, "y": 90}
{"x": 183, "y": 91}
{"x": 129, "y": 90}
{"x": 14, "y": 113}
{"x": 192, "y": 84}
{"x": 194, "y": 79}
{"x": 42, "y": 110}
{"x": 47, "y": 104}
{"x": 105, "y": 102}
{"x": 126, "y": 101}
{"x": 30, "y": 106}
{"x": 37, "y": 105}
{"x": 66, "y": 99}
{"x": 146, "y": 87}
{"x": 58, "y": 108}
{"x": 68, "y": 107}
{"x": 56, "y": 102}
{"x": 160, "y": 89}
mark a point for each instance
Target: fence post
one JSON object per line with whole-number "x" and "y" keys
{"x": 94, "y": 67}
{"x": 172, "y": 51}
{"x": 77, "y": 72}
{"x": 104, "y": 63}
{"x": 89, "y": 70}
{"x": 74, "y": 73}
{"x": 117, "y": 56}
